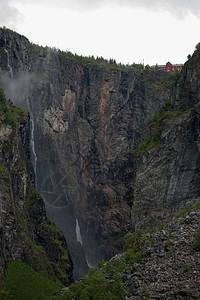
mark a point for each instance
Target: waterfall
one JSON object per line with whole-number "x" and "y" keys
{"x": 10, "y": 71}
{"x": 32, "y": 143}
{"x": 79, "y": 239}
{"x": 78, "y": 233}
{"x": 89, "y": 264}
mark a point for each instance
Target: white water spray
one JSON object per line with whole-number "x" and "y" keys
{"x": 10, "y": 70}
{"x": 89, "y": 264}
{"x": 32, "y": 144}
{"x": 78, "y": 233}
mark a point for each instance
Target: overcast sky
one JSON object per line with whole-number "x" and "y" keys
{"x": 126, "y": 30}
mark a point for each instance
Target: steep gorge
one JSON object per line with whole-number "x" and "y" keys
{"x": 27, "y": 235}
{"x": 88, "y": 123}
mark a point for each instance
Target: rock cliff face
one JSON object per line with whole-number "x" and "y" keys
{"x": 89, "y": 122}
{"x": 26, "y": 233}
{"x": 170, "y": 170}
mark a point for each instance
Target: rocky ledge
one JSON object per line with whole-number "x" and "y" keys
{"x": 169, "y": 265}
{"x": 171, "y": 269}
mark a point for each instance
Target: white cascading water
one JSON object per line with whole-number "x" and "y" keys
{"x": 32, "y": 144}
{"x": 89, "y": 265}
{"x": 79, "y": 239}
{"x": 78, "y": 233}
{"x": 10, "y": 70}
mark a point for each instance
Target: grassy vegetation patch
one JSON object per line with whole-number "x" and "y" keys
{"x": 135, "y": 243}
{"x": 186, "y": 210}
{"x": 5, "y": 295}
{"x": 11, "y": 113}
{"x": 95, "y": 286}
{"x": 14, "y": 114}
{"x": 2, "y": 95}
{"x": 153, "y": 138}
{"x": 24, "y": 283}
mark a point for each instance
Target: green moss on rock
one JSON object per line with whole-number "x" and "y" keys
{"x": 22, "y": 282}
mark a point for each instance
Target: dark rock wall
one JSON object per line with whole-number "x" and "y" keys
{"x": 168, "y": 176}
{"x": 25, "y": 232}
{"x": 187, "y": 89}
{"x": 88, "y": 122}
{"x": 92, "y": 118}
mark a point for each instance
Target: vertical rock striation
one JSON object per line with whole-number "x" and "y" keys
{"x": 26, "y": 233}
{"x": 89, "y": 123}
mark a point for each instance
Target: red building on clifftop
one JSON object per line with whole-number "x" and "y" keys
{"x": 168, "y": 67}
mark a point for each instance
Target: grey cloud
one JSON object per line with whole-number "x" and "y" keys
{"x": 9, "y": 16}
{"x": 178, "y": 8}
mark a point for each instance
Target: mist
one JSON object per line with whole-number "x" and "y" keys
{"x": 16, "y": 89}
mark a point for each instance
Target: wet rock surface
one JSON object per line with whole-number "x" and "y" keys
{"x": 26, "y": 234}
